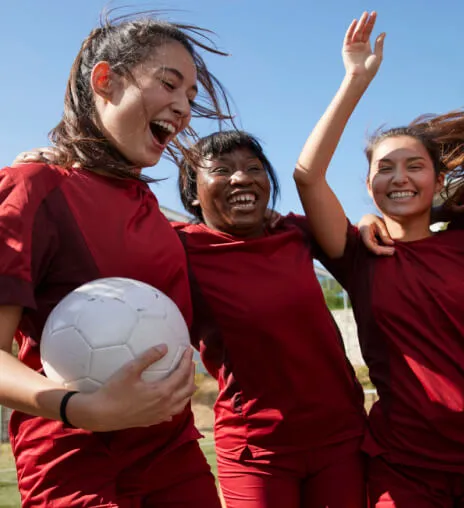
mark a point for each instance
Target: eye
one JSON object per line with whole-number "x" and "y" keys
{"x": 255, "y": 169}
{"x": 221, "y": 170}
{"x": 385, "y": 169}
{"x": 415, "y": 167}
{"x": 168, "y": 84}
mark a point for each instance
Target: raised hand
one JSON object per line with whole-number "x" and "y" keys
{"x": 358, "y": 57}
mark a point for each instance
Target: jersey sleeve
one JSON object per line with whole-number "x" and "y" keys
{"x": 346, "y": 268}
{"x": 25, "y": 233}
{"x": 301, "y": 222}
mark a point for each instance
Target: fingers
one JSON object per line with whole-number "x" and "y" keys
{"x": 183, "y": 375}
{"x": 350, "y": 32}
{"x": 360, "y": 31}
{"x": 376, "y": 237}
{"x": 44, "y": 154}
{"x": 380, "y": 229}
{"x": 143, "y": 361}
{"x": 380, "y": 250}
{"x": 378, "y": 48}
{"x": 372, "y": 243}
{"x": 369, "y": 26}
{"x": 360, "y": 28}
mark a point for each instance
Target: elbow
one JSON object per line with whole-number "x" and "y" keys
{"x": 304, "y": 177}
{"x": 301, "y": 176}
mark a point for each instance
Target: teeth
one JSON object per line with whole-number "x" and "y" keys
{"x": 165, "y": 125}
{"x": 243, "y": 198}
{"x": 400, "y": 195}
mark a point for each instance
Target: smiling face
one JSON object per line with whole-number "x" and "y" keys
{"x": 402, "y": 179}
{"x": 233, "y": 192}
{"x": 141, "y": 116}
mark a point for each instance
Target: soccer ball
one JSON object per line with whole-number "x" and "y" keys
{"x": 102, "y": 325}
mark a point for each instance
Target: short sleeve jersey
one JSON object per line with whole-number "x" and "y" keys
{"x": 265, "y": 333}
{"x": 60, "y": 229}
{"x": 409, "y": 310}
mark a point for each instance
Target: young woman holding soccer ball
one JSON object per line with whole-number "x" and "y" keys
{"x": 131, "y": 91}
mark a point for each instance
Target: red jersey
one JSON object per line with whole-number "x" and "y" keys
{"x": 265, "y": 333}
{"x": 60, "y": 229}
{"x": 409, "y": 310}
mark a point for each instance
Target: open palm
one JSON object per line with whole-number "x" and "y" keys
{"x": 358, "y": 57}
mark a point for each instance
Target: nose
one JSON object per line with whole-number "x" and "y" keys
{"x": 400, "y": 176}
{"x": 240, "y": 177}
{"x": 181, "y": 106}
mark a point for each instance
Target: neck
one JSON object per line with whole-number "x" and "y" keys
{"x": 238, "y": 232}
{"x": 409, "y": 230}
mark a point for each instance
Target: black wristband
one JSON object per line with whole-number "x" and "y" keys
{"x": 64, "y": 403}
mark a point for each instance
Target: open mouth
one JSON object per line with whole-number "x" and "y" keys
{"x": 163, "y": 132}
{"x": 243, "y": 200}
{"x": 401, "y": 195}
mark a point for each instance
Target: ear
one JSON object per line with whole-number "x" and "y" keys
{"x": 440, "y": 182}
{"x": 104, "y": 81}
{"x": 196, "y": 202}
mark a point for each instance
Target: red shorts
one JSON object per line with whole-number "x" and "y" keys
{"x": 180, "y": 478}
{"x": 398, "y": 486}
{"x": 330, "y": 477}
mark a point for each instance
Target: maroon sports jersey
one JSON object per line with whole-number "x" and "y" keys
{"x": 265, "y": 333}
{"x": 410, "y": 314}
{"x": 58, "y": 230}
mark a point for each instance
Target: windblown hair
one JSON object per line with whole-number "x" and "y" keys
{"x": 125, "y": 42}
{"x": 213, "y": 146}
{"x": 443, "y": 138}
{"x": 447, "y": 131}
{"x": 433, "y": 148}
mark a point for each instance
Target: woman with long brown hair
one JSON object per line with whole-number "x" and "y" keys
{"x": 131, "y": 91}
{"x": 409, "y": 306}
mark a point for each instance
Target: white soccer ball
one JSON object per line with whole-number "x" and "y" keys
{"x": 102, "y": 325}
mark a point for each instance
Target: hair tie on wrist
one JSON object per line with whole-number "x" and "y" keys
{"x": 64, "y": 403}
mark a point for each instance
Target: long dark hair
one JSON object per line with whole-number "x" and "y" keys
{"x": 124, "y": 42}
{"x": 215, "y": 145}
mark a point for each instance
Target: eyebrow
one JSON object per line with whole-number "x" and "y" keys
{"x": 179, "y": 75}
{"x": 226, "y": 157}
{"x": 409, "y": 159}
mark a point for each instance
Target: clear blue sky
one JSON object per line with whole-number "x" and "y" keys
{"x": 284, "y": 67}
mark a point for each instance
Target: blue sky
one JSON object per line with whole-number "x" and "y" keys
{"x": 284, "y": 67}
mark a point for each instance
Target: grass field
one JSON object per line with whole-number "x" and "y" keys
{"x": 9, "y": 497}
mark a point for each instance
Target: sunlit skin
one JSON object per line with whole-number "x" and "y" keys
{"x": 402, "y": 183}
{"x": 233, "y": 192}
{"x": 164, "y": 88}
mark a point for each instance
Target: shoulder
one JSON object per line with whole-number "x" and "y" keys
{"x": 293, "y": 220}
{"x": 450, "y": 237}
{"x": 32, "y": 179}
{"x": 183, "y": 226}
